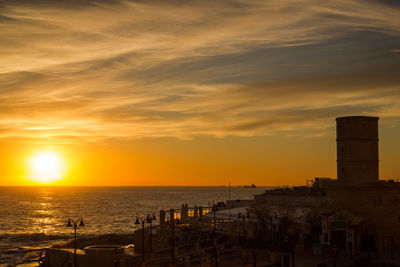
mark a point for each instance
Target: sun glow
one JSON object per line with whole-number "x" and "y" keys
{"x": 46, "y": 167}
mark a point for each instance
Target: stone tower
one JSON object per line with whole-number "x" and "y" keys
{"x": 357, "y": 150}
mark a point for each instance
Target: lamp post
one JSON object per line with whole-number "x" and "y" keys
{"x": 214, "y": 210}
{"x": 271, "y": 218}
{"x": 173, "y": 222}
{"x": 76, "y": 224}
{"x": 137, "y": 222}
{"x": 244, "y": 217}
{"x": 149, "y": 220}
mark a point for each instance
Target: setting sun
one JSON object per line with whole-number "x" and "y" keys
{"x": 46, "y": 167}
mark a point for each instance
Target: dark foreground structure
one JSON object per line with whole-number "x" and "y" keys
{"x": 359, "y": 214}
{"x": 353, "y": 220}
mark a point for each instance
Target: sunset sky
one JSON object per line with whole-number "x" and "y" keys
{"x": 194, "y": 92}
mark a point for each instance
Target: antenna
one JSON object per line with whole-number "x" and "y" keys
{"x": 229, "y": 190}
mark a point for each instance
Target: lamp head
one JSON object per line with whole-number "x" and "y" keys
{"x": 154, "y": 217}
{"x": 81, "y": 223}
{"x": 148, "y": 219}
{"x": 69, "y": 223}
{"x": 137, "y": 221}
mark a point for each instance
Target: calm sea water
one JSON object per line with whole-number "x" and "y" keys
{"x": 35, "y": 217}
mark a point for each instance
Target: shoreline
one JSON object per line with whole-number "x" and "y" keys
{"x": 27, "y": 252}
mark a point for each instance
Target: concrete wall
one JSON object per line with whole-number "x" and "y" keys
{"x": 57, "y": 257}
{"x": 380, "y": 204}
{"x": 239, "y": 203}
{"x": 292, "y": 200}
{"x": 377, "y": 205}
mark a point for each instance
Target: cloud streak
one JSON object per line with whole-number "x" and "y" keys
{"x": 96, "y": 70}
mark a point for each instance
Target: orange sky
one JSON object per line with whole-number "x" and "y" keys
{"x": 194, "y": 93}
{"x": 269, "y": 160}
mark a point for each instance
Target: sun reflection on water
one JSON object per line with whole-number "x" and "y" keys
{"x": 44, "y": 220}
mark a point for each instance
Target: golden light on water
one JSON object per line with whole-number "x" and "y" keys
{"x": 46, "y": 167}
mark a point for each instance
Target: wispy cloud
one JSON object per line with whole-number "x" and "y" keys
{"x": 90, "y": 70}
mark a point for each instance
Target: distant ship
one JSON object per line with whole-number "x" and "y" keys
{"x": 250, "y": 186}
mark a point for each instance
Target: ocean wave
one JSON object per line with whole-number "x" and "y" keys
{"x": 32, "y": 237}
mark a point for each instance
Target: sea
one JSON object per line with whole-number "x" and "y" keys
{"x": 33, "y": 218}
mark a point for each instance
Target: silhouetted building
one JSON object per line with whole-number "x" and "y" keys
{"x": 358, "y": 207}
{"x": 357, "y": 150}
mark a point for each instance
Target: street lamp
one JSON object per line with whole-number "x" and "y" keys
{"x": 173, "y": 222}
{"x": 150, "y": 219}
{"x": 214, "y": 235}
{"x": 244, "y": 217}
{"x": 271, "y": 219}
{"x": 76, "y": 224}
{"x": 137, "y": 222}
{"x": 214, "y": 210}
